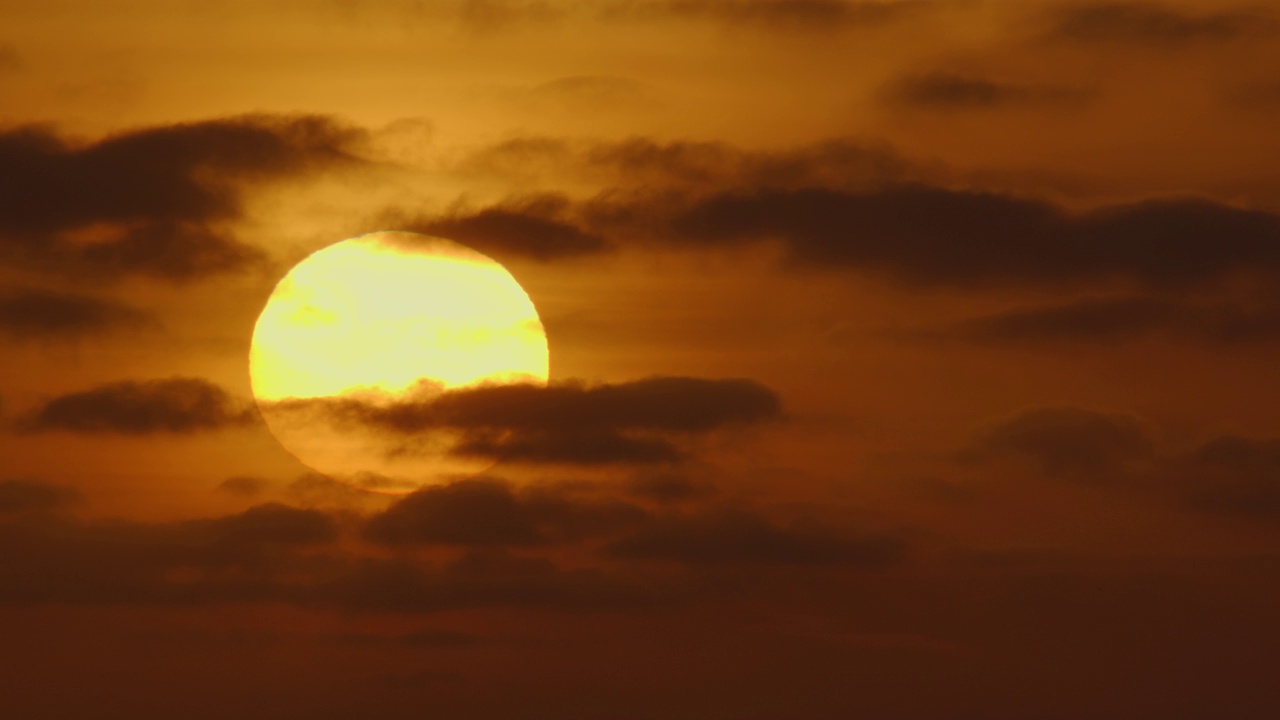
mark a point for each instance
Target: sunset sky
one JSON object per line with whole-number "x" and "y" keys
{"x": 909, "y": 360}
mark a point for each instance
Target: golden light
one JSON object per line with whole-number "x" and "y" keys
{"x": 381, "y": 318}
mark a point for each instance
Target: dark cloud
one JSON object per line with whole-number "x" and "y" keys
{"x": 173, "y": 405}
{"x": 951, "y": 91}
{"x": 153, "y": 201}
{"x": 238, "y": 557}
{"x": 269, "y": 524}
{"x": 481, "y": 512}
{"x": 843, "y": 204}
{"x": 491, "y": 15}
{"x": 641, "y": 163}
{"x": 932, "y": 235}
{"x": 1117, "y": 320}
{"x": 244, "y": 485}
{"x": 635, "y": 422}
{"x": 820, "y": 15}
{"x": 594, "y": 92}
{"x": 18, "y": 496}
{"x": 1233, "y": 475}
{"x": 1067, "y": 442}
{"x": 1143, "y": 23}
{"x": 1099, "y": 321}
{"x": 667, "y": 488}
{"x": 34, "y": 314}
{"x": 731, "y": 536}
{"x": 433, "y": 638}
{"x": 10, "y": 60}
{"x": 490, "y": 578}
{"x": 528, "y": 227}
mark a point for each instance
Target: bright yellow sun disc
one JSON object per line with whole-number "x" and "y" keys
{"x": 378, "y": 317}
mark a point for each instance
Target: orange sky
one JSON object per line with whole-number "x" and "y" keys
{"x": 928, "y": 348}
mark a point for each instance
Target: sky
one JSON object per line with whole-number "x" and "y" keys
{"x": 910, "y": 359}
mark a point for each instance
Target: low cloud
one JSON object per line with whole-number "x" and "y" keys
{"x": 800, "y": 15}
{"x": 569, "y": 423}
{"x": 1117, "y": 320}
{"x": 173, "y": 405}
{"x": 154, "y": 201}
{"x": 644, "y": 164}
{"x": 484, "y": 512}
{"x": 931, "y": 235}
{"x": 529, "y": 227}
{"x": 950, "y": 91}
{"x": 21, "y": 496}
{"x": 1232, "y": 475}
{"x": 10, "y": 60}
{"x": 1066, "y": 442}
{"x": 1154, "y": 24}
{"x": 34, "y": 314}
{"x": 727, "y": 536}
{"x": 593, "y": 92}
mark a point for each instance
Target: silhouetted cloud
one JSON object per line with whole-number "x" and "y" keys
{"x": 244, "y": 485}
{"x": 251, "y": 555}
{"x": 649, "y": 165}
{"x": 173, "y": 405}
{"x": 483, "y": 512}
{"x": 1116, "y": 320}
{"x": 931, "y": 235}
{"x": 667, "y": 488}
{"x": 491, "y": 578}
{"x": 634, "y": 422}
{"x": 1149, "y": 23}
{"x": 528, "y": 227}
{"x": 153, "y": 201}
{"x": 17, "y": 496}
{"x": 731, "y": 536}
{"x": 34, "y": 314}
{"x": 1067, "y": 442}
{"x": 951, "y": 91}
{"x": 594, "y": 92}
{"x": 269, "y": 524}
{"x": 1233, "y": 475}
{"x": 810, "y": 15}
{"x": 10, "y": 60}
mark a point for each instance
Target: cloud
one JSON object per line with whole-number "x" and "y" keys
{"x": 269, "y": 524}
{"x": 930, "y": 235}
{"x": 732, "y": 536}
{"x": 1066, "y": 442}
{"x": 485, "y": 512}
{"x": 848, "y": 205}
{"x": 173, "y": 405}
{"x": 10, "y": 60}
{"x": 634, "y": 422}
{"x": 245, "y": 556}
{"x": 1117, "y": 320}
{"x": 593, "y": 92}
{"x": 35, "y": 314}
{"x": 491, "y": 578}
{"x": 809, "y": 15}
{"x": 244, "y": 485}
{"x": 20, "y": 496}
{"x": 151, "y": 202}
{"x": 527, "y": 227}
{"x": 1153, "y": 24}
{"x": 667, "y": 488}
{"x": 646, "y": 164}
{"x": 1232, "y": 475}
{"x": 951, "y": 91}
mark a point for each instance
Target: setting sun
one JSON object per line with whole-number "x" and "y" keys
{"x": 382, "y": 318}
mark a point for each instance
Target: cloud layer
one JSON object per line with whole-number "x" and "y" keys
{"x": 129, "y": 407}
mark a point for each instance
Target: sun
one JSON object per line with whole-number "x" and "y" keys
{"x": 382, "y": 318}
